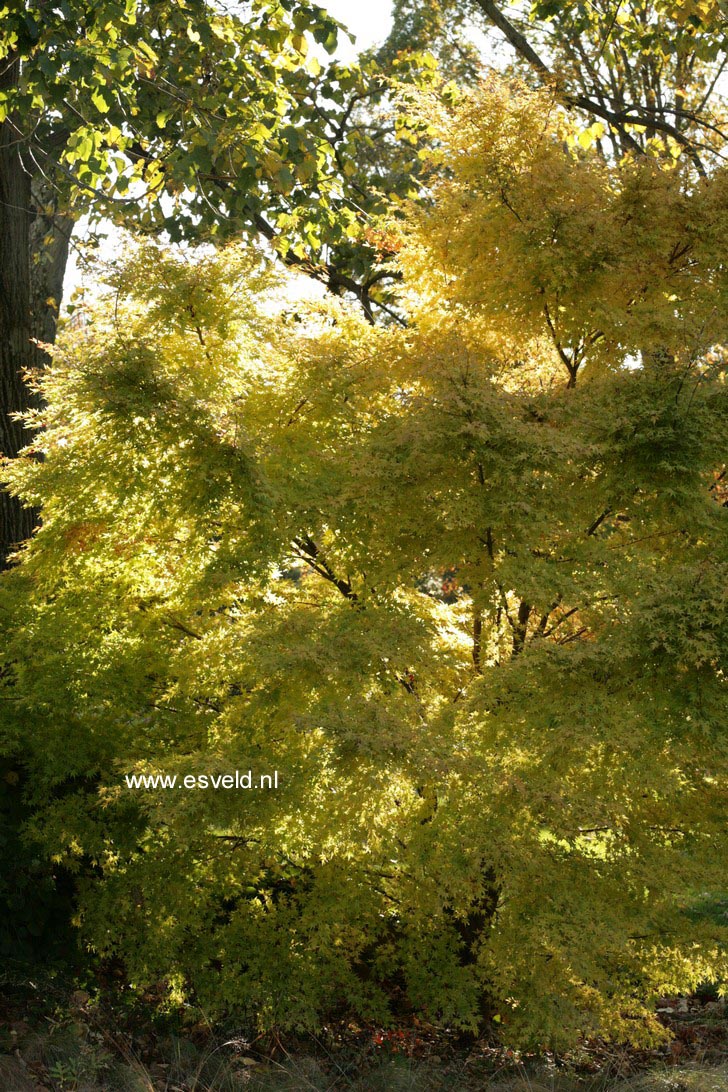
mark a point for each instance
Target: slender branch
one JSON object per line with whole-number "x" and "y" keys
{"x": 514, "y": 36}
{"x": 618, "y": 120}
{"x": 646, "y": 538}
{"x": 543, "y": 621}
{"x": 555, "y": 626}
{"x": 182, "y": 628}
{"x": 309, "y": 552}
{"x": 520, "y": 628}
{"x": 328, "y": 275}
{"x": 593, "y": 528}
{"x": 477, "y": 641}
{"x": 296, "y": 411}
{"x": 570, "y": 363}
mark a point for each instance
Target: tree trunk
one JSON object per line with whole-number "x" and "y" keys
{"x": 16, "y": 349}
{"x": 50, "y": 237}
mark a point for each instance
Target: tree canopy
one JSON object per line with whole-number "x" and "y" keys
{"x": 504, "y": 804}
{"x": 647, "y": 72}
{"x": 196, "y": 121}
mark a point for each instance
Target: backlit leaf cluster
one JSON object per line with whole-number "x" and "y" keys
{"x": 506, "y": 804}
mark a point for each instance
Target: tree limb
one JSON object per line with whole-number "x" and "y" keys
{"x": 618, "y": 120}
{"x": 309, "y": 552}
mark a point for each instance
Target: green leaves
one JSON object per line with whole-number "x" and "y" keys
{"x": 219, "y": 102}
{"x": 99, "y": 101}
{"x": 648, "y": 72}
{"x": 501, "y": 783}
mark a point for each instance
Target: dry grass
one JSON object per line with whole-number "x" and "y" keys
{"x": 73, "y": 1046}
{"x": 58, "y": 1064}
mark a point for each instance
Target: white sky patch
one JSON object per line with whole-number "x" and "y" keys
{"x": 369, "y": 22}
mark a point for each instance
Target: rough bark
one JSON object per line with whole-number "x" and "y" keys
{"x": 50, "y": 237}
{"x": 16, "y": 349}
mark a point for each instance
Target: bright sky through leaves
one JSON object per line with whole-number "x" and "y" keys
{"x": 369, "y": 23}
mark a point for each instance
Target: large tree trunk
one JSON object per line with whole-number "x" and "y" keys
{"x": 34, "y": 242}
{"x": 16, "y": 349}
{"x": 50, "y": 237}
